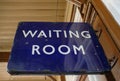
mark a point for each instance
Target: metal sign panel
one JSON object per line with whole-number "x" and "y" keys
{"x": 56, "y": 48}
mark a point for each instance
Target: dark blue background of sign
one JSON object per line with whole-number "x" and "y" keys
{"x": 22, "y": 61}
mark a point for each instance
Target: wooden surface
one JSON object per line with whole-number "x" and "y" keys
{"x": 108, "y": 20}
{"x": 14, "y": 11}
{"x": 105, "y": 39}
{"x": 5, "y": 76}
{"x": 110, "y": 36}
{"x": 4, "y": 56}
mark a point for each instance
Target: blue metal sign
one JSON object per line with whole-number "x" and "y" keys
{"x": 56, "y": 48}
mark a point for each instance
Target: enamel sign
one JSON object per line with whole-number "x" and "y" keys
{"x": 56, "y": 48}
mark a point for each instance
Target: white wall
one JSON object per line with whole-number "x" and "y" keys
{"x": 77, "y": 16}
{"x": 114, "y": 7}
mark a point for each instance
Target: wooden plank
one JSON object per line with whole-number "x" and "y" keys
{"x": 30, "y": 18}
{"x": 52, "y": 78}
{"x": 105, "y": 39}
{"x": 5, "y": 50}
{"x": 4, "y": 28}
{"x": 3, "y": 58}
{"x": 108, "y": 45}
{"x": 62, "y": 78}
{"x": 7, "y": 32}
{"x": 116, "y": 71}
{"x": 6, "y": 42}
{"x": 7, "y": 29}
{"x": 68, "y": 12}
{"x": 83, "y": 78}
{"x": 14, "y": 11}
{"x": 108, "y": 20}
{"x": 6, "y": 37}
{"x": 27, "y": 77}
{"x": 26, "y": 80}
{"x": 32, "y": 12}
{"x": 8, "y": 24}
{"x": 110, "y": 32}
{"x": 88, "y": 12}
{"x": 32, "y": 0}
{"x": 5, "y": 47}
{"x": 31, "y": 5}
